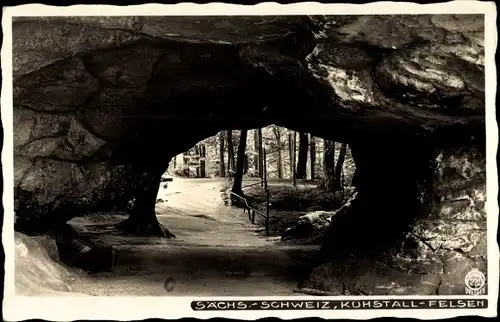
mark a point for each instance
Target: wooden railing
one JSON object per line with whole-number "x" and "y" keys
{"x": 253, "y": 210}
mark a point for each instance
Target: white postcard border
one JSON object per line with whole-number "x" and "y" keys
{"x": 60, "y": 308}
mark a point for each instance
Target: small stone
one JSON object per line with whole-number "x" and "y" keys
{"x": 169, "y": 284}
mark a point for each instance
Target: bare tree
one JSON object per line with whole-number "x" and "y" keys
{"x": 340, "y": 164}
{"x": 245, "y": 168}
{"x": 290, "y": 153}
{"x": 329, "y": 164}
{"x": 294, "y": 154}
{"x": 221, "y": 154}
{"x": 261, "y": 157}
{"x": 240, "y": 165}
{"x": 302, "y": 160}
{"x": 277, "y": 136}
{"x": 203, "y": 164}
{"x": 256, "y": 150}
{"x": 231, "y": 164}
{"x": 312, "y": 152}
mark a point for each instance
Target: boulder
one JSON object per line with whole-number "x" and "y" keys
{"x": 308, "y": 224}
{"x": 39, "y": 270}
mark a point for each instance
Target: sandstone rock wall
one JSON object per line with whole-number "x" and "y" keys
{"x": 451, "y": 241}
{"x": 440, "y": 247}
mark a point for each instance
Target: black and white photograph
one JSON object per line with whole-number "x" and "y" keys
{"x": 250, "y": 161}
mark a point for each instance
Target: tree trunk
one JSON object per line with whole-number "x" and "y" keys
{"x": 231, "y": 164}
{"x": 221, "y": 153}
{"x": 240, "y": 165}
{"x": 229, "y": 143}
{"x": 233, "y": 160}
{"x": 185, "y": 165}
{"x": 259, "y": 139}
{"x": 290, "y": 153}
{"x": 203, "y": 164}
{"x": 329, "y": 164}
{"x": 256, "y": 150}
{"x": 312, "y": 151}
{"x": 175, "y": 162}
{"x": 245, "y": 168}
{"x": 302, "y": 162}
{"x": 339, "y": 165}
{"x": 142, "y": 220}
{"x": 294, "y": 154}
{"x": 277, "y": 135}
{"x": 280, "y": 164}
{"x": 203, "y": 168}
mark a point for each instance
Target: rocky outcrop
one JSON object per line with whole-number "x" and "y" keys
{"x": 451, "y": 240}
{"x": 308, "y": 224}
{"x": 38, "y": 269}
{"x": 93, "y": 95}
{"x": 315, "y": 223}
{"x": 437, "y": 246}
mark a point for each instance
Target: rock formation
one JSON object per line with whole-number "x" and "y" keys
{"x": 313, "y": 222}
{"x": 442, "y": 230}
{"x": 101, "y": 104}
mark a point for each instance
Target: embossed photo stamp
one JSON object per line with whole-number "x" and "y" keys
{"x": 219, "y": 160}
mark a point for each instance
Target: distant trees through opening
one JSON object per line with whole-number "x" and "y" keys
{"x": 290, "y": 156}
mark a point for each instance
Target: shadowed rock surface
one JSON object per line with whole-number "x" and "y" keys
{"x": 94, "y": 96}
{"x": 442, "y": 233}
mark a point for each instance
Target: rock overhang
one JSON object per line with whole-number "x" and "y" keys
{"x": 412, "y": 66}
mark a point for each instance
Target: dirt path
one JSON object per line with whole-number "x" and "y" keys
{"x": 216, "y": 252}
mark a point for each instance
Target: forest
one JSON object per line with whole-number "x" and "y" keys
{"x": 298, "y": 173}
{"x": 289, "y": 155}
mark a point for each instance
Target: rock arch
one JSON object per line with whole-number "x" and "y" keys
{"x": 101, "y": 104}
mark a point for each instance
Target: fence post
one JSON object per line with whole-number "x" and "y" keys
{"x": 253, "y": 217}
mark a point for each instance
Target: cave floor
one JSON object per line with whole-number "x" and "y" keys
{"x": 217, "y": 251}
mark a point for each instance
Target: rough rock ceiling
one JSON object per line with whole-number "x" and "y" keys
{"x": 354, "y": 73}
